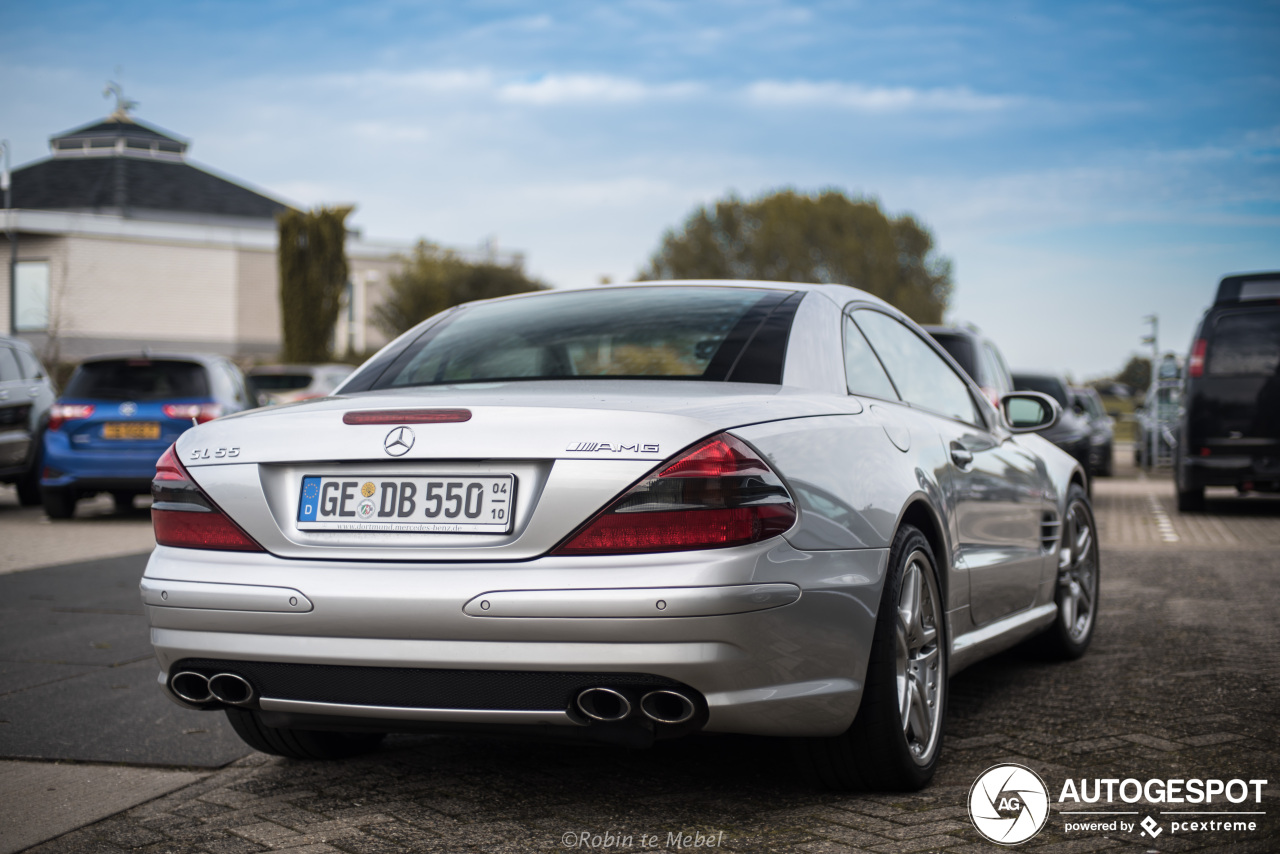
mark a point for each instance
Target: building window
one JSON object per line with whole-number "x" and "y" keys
{"x": 31, "y": 299}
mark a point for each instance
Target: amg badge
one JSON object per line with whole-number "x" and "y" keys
{"x": 615, "y": 448}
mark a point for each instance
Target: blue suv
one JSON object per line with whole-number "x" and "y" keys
{"x": 118, "y": 414}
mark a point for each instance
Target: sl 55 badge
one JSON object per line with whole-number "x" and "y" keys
{"x": 214, "y": 454}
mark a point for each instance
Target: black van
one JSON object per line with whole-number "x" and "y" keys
{"x": 1229, "y": 432}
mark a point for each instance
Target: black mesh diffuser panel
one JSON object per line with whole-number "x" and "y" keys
{"x": 409, "y": 687}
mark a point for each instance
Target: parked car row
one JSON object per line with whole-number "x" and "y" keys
{"x": 119, "y": 413}
{"x": 1084, "y": 430}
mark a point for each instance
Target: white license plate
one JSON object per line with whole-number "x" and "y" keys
{"x": 426, "y": 504}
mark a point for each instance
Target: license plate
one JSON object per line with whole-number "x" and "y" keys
{"x": 131, "y": 430}
{"x": 424, "y": 504}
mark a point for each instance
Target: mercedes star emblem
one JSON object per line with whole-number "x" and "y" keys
{"x": 398, "y": 442}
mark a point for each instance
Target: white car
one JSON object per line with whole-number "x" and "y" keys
{"x": 625, "y": 513}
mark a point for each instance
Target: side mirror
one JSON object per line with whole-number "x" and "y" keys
{"x": 1029, "y": 411}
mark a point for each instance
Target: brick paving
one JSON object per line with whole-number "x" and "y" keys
{"x": 1183, "y": 681}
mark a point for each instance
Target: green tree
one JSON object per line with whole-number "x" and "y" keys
{"x": 434, "y": 279}
{"x": 1136, "y": 374}
{"x": 826, "y": 238}
{"x": 313, "y": 273}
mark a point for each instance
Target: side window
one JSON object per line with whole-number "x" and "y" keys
{"x": 8, "y": 366}
{"x": 999, "y": 371}
{"x": 236, "y": 381}
{"x": 219, "y": 383}
{"x": 30, "y": 365}
{"x": 863, "y": 372}
{"x": 920, "y": 375}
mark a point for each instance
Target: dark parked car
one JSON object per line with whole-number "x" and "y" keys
{"x": 272, "y": 384}
{"x": 1087, "y": 402}
{"x": 117, "y": 416}
{"x": 26, "y": 393}
{"x": 979, "y": 357}
{"x": 1071, "y": 433}
{"x": 1229, "y": 432}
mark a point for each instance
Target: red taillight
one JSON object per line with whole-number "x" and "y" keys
{"x": 717, "y": 494}
{"x": 60, "y": 413}
{"x": 407, "y": 416}
{"x": 183, "y": 516}
{"x": 1195, "y": 364}
{"x": 201, "y": 412}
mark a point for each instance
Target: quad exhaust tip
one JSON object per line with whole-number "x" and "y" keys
{"x": 231, "y": 688}
{"x": 604, "y": 704}
{"x": 667, "y": 707}
{"x": 194, "y": 687}
{"x": 191, "y": 686}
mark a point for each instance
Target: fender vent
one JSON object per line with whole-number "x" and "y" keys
{"x": 1050, "y": 530}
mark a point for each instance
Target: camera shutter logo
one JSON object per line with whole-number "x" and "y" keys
{"x": 1009, "y": 804}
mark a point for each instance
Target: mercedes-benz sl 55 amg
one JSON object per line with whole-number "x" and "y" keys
{"x": 623, "y": 513}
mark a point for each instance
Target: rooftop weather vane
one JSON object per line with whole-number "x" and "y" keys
{"x": 123, "y": 104}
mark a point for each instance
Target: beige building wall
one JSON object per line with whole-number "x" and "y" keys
{"x": 112, "y": 288}
{"x": 257, "y": 302}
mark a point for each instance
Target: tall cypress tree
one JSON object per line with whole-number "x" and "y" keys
{"x": 313, "y": 272}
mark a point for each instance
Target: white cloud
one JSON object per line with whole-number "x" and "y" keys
{"x": 591, "y": 88}
{"x": 855, "y": 96}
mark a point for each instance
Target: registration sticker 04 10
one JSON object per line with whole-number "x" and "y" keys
{"x": 408, "y": 504}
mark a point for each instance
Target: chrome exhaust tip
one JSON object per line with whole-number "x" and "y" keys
{"x": 231, "y": 688}
{"x": 604, "y": 704}
{"x": 191, "y": 686}
{"x": 667, "y": 707}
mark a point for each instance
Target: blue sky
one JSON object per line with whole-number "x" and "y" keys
{"x": 1082, "y": 164}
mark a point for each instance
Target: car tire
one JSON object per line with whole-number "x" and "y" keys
{"x": 896, "y": 738}
{"x": 1076, "y": 590}
{"x": 58, "y": 503}
{"x": 123, "y": 502}
{"x": 1191, "y": 500}
{"x": 28, "y": 485}
{"x": 1107, "y": 467}
{"x": 299, "y": 743}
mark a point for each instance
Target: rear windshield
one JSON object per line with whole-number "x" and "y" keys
{"x": 668, "y": 332}
{"x": 279, "y": 382}
{"x": 138, "y": 379}
{"x": 961, "y": 349}
{"x": 1245, "y": 343}
{"x": 1045, "y": 385}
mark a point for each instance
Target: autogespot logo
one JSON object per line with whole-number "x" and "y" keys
{"x": 1008, "y": 804}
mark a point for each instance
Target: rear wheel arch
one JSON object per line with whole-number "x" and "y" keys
{"x": 921, "y": 515}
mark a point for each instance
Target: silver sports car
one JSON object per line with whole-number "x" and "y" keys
{"x": 624, "y": 513}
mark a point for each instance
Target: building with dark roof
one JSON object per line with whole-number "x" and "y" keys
{"x": 124, "y": 243}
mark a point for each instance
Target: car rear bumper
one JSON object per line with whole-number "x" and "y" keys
{"x": 118, "y": 468}
{"x": 1229, "y": 470}
{"x": 772, "y": 640}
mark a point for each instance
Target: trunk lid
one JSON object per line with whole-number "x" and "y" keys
{"x": 570, "y": 447}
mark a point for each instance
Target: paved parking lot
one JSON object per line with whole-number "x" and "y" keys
{"x": 1183, "y": 681}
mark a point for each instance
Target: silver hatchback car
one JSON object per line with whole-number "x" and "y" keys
{"x": 625, "y": 513}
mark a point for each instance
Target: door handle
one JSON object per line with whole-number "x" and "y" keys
{"x": 960, "y": 455}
